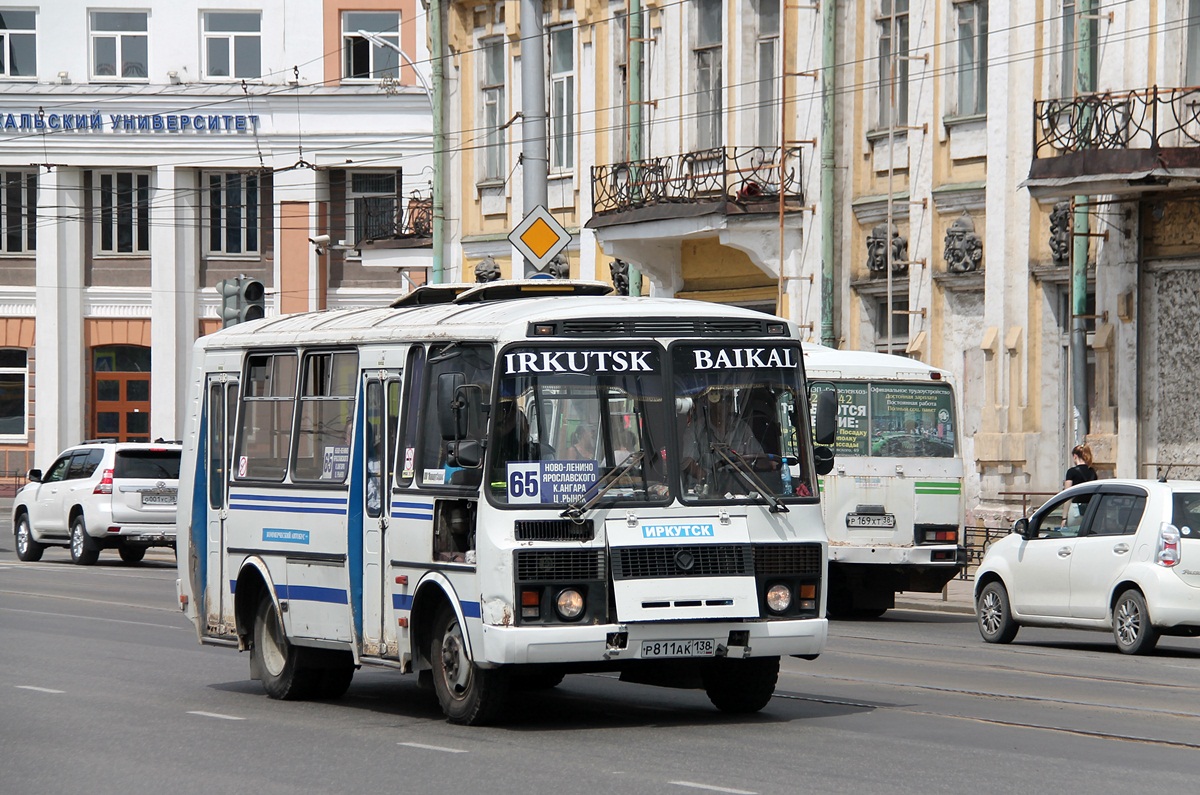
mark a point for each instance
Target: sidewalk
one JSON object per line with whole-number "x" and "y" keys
{"x": 957, "y": 598}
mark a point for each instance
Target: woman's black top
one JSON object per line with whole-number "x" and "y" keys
{"x": 1080, "y": 474}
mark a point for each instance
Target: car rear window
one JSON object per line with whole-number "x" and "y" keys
{"x": 161, "y": 464}
{"x": 1187, "y": 513}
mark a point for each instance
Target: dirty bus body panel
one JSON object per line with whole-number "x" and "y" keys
{"x": 502, "y": 485}
{"x": 894, "y": 500}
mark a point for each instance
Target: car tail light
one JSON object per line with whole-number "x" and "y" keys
{"x": 105, "y": 484}
{"x": 1168, "y": 546}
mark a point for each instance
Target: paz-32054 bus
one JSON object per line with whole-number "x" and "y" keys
{"x": 494, "y": 486}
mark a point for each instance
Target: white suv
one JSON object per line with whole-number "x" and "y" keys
{"x": 1119, "y": 555}
{"x": 100, "y": 495}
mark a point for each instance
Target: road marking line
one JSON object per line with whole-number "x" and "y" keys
{"x": 89, "y": 618}
{"x": 711, "y": 788}
{"x": 213, "y": 715}
{"x": 435, "y": 748}
{"x": 38, "y": 689}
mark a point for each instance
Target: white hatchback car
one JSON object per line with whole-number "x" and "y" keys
{"x": 1119, "y": 555}
{"x": 100, "y": 495}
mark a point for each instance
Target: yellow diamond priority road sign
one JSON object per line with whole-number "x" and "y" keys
{"x": 539, "y": 237}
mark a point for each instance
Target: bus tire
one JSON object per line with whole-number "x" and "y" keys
{"x": 84, "y": 551}
{"x": 740, "y": 686}
{"x": 28, "y": 550}
{"x": 281, "y": 665}
{"x": 469, "y": 695}
{"x": 334, "y": 677}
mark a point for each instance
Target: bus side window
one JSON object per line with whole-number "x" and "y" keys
{"x": 407, "y": 443}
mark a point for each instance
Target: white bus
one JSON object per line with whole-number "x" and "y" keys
{"x": 493, "y": 486}
{"x": 894, "y": 500}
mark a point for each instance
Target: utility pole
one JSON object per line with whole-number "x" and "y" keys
{"x": 535, "y": 162}
{"x": 439, "y": 139}
{"x": 634, "y": 75}
{"x": 1085, "y": 81}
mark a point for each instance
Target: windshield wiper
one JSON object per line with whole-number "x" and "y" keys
{"x": 577, "y": 509}
{"x": 748, "y": 476}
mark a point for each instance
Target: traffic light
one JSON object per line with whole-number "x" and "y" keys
{"x": 242, "y": 299}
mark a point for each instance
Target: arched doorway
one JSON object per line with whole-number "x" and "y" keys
{"x": 121, "y": 393}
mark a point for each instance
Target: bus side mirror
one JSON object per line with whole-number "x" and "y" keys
{"x": 826, "y": 424}
{"x": 823, "y": 459}
{"x": 452, "y": 417}
{"x": 466, "y": 453}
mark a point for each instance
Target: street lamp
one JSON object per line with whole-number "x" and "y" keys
{"x": 380, "y": 41}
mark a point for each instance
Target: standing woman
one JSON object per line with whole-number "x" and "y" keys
{"x": 1082, "y": 471}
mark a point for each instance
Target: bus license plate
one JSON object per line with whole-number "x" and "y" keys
{"x": 703, "y": 647}
{"x": 158, "y": 499}
{"x": 870, "y": 520}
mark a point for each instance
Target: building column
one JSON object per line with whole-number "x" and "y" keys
{"x": 62, "y": 368}
{"x": 174, "y": 214}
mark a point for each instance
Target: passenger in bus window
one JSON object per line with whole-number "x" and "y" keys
{"x": 512, "y": 435}
{"x": 583, "y": 444}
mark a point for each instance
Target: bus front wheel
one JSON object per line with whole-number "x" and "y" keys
{"x": 279, "y": 663}
{"x": 741, "y": 686}
{"x": 468, "y": 694}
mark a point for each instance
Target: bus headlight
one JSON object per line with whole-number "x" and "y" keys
{"x": 779, "y": 598}
{"x": 569, "y": 604}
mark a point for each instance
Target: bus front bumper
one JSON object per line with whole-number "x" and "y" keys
{"x": 619, "y": 642}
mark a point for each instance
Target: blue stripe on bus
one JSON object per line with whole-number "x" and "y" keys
{"x": 198, "y": 526}
{"x": 311, "y": 593}
{"x": 402, "y": 601}
{"x": 428, "y": 516}
{"x": 355, "y": 552}
{"x": 286, "y": 498}
{"x": 287, "y": 509}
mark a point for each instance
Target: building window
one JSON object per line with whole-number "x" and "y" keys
{"x": 897, "y": 342}
{"x": 18, "y": 212}
{"x": 123, "y": 216}
{"x": 707, "y": 57}
{"x": 893, "y": 68}
{"x": 14, "y": 394}
{"x": 494, "y": 109}
{"x": 767, "y": 56}
{"x": 119, "y": 44}
{"x": 562, "y": 99}
{"x": 233, "y": 44}
{"x": 370, "y": 45}
{"x": 372, "y": 205}
{"x": 972, "y": 32}
{"x": 232, "y": 207}
{"x": 1192, "y": 66}
{"x": 1076, "y": 30}
{"x": 18, "y": 44}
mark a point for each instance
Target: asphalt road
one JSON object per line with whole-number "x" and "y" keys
{"x": 104, "y": 689}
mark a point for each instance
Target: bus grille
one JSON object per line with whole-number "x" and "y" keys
{"x": 554, "y": 530}
{"x": 700, "y": 560}
{"x": 552, "y": 565}
{"x": 780, "y": 559}
{"x": 667, "y": 327}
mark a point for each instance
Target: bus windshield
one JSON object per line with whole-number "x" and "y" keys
{"x": 737, "y": 411}
{"x": 570, "y": 423}
{"x": 894, "y": 420}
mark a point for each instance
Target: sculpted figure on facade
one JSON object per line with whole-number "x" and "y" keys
{"x": 619, "y": 269}
{"x": 877, "y": 243}
{"x": 487, "y": 270}
{"x": 558, "y": 268}
{"x": 964, "y": 248}
{"x": 1060, "y": 233}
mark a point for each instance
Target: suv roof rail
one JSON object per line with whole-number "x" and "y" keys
{"x": 161, "y": 440}
{"x": 108, "y": 440}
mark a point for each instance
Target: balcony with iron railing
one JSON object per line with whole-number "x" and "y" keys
{"x": 730, "y": 180}
{"x": 379, "y": 218}
{"x": 1116, "y": 142}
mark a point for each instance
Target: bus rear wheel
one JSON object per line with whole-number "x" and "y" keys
{"x": 469, "y": 695}
{"x": 279, "y": 663}
{"x": 740, "y": 686}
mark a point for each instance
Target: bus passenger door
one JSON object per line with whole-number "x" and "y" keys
{"x": 222, "y": 400}
{"x": 382, "y": 413}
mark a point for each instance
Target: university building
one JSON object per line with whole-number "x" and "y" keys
{"x": 1003, "y": 188}
{"x": 150, "y": 151}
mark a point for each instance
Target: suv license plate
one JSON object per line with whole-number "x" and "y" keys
{"x": 870, "y": 520}
{"x": 158, "y": 499}
{"x": 703, "y": 647}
